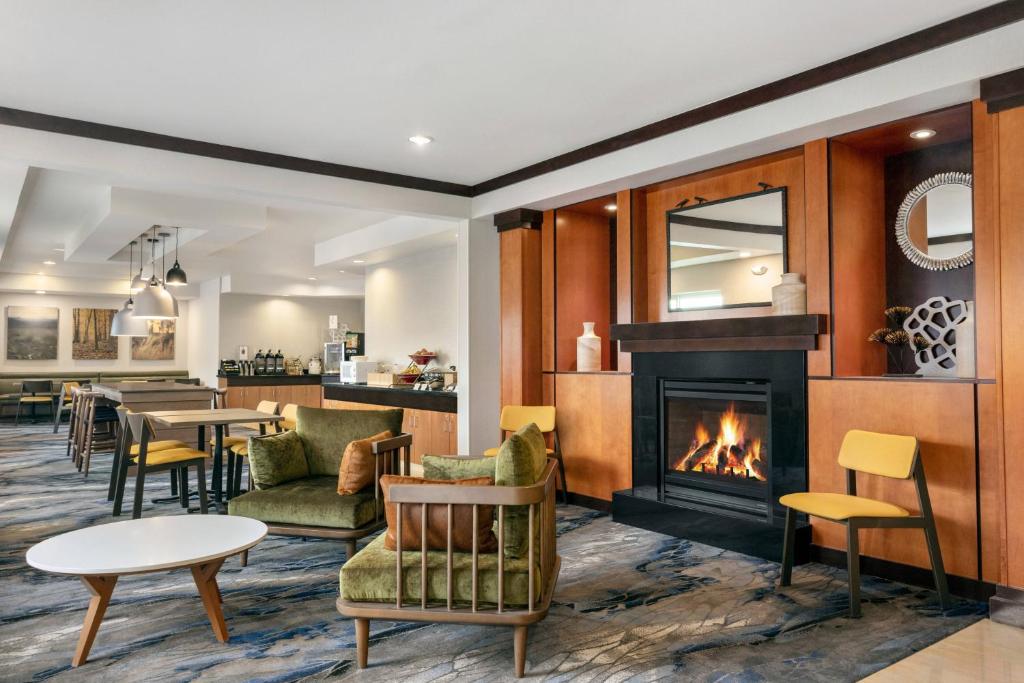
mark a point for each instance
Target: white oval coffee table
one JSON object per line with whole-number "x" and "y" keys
{"x": 100, "y": 554}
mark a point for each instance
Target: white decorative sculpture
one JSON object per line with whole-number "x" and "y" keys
{"x": 789, "y": 297}
{"x": 936, "y": 320}
{"x": 966, "y": 365}
{"x": 588, "y": 350}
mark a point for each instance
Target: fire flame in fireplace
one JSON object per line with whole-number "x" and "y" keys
{"x": 730, "y": 453}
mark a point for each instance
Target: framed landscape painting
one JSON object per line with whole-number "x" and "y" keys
{"x": 32, "y": 332}
{"x": 159, "y": 345}
{"x": 90, "y": 334}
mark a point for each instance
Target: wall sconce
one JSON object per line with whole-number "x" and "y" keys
{"x": 759, "y": 270}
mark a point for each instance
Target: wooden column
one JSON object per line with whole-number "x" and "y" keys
{"x": 818, "y": 260}
{"x": 624, "y": 268}
{"x": 521, "y": 320}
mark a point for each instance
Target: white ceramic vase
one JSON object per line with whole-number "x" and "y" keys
{"x": 588, "y": 350}
{"x": 789, "y": 297}
{"x": 965, "y": 352}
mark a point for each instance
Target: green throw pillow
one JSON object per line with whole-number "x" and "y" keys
{"x": 277, "y": 459}
{"x": 439, "y": 467}
{"x": 520, "y": 462}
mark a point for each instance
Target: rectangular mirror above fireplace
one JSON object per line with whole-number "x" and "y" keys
{"x": 726, "y": 253}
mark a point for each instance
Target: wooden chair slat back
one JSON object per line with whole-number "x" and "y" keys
{"x": 885, "y": 455}
{"x": 516, "y": 417}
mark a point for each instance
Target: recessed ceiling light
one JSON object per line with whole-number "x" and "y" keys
{"x": 358, "y": 260}
{"x": 40, "y": 273}
{"x": 744, "y": 254}
{"x": 311, "y": 278}
{"x": 923, "y": 134}
{"x": 421, "y": 140}
{"x": 40, "y": 291}
{"x": 49, "y": 263}
{"x": 610, "y": 207}
{"x": 59, "y": 249}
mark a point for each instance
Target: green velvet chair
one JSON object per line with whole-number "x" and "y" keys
{"x": 307, "y": 503}
{"x": 512, "y": 586}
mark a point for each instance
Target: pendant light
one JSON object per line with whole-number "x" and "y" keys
{"x": 155, "y": 302}
{"x": 124, "y": 323}
{"x": 176, "y": 276}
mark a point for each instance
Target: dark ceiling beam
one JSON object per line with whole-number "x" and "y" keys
{"x": 1004, "y": 91}
{"x": 170, "y": 143}
{"x": 530, "y": 219}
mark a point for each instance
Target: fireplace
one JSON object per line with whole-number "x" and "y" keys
{"x": 718, "y": 438}
{"x": 716, "y": 451}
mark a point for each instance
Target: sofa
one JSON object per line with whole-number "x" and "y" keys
{"x": 310, "y": 505}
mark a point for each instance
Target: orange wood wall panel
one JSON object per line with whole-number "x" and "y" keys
{"x": 818, "y": 260}
{"x": 991, "y": 490}
{"x": 547, "y": 297}
{"x": 583, "y": 286}
{"x": 548, "y": 389}
{"x": 1011, "y": 272}
{"x": 595, "y": 430}
{"x": 941, "y": 416}
{"x": 638, "y": 233}
{"x": 520, "y": 256}
{"x": 783, "y": 169}
{"x": 623, "y": 270}
{"x": 858, "y": 260}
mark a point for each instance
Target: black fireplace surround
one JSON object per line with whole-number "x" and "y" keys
{"x": 718, "y": 437}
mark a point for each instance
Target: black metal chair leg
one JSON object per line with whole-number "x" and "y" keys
{"x": 788, "y": 551}
{"x": 201, "y": 485}
{"x": 182, "y": 475}
{"x": 140, "y": 484}
{"x": 230, "y": 457}
{"x": 122, "y": 480}
{"x": 237, "y": 484}
{"x": 565, "y": 482}
{"x": 935, "y": 553}
{"x": 853, "y": 568}
{"x": 174, "y": 483}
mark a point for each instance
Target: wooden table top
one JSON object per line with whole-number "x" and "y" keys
{"x": 147, "y": 388}
{"x": 198, "y": 418}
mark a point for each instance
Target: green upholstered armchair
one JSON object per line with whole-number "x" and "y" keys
{"x": 511, "y": 586}
{"x": 309, "y": 505}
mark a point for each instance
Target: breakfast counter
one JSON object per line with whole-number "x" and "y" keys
{"x": 397, "y": 397}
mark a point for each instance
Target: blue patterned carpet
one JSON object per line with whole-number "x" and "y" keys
{"x": 631, "y": 605}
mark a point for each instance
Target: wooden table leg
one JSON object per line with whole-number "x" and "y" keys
{"x": 100, "y": 587}
{"x": 205, "y": 576}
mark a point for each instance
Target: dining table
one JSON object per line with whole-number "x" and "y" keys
{"x": 218, "y": 419}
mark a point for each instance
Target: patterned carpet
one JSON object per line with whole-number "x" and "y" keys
{"x": 630, "y": 605}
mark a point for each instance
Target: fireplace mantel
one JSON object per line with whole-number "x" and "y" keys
{"x": 761, "y": 333}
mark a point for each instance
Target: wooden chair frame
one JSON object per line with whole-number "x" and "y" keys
{"x": 86, "y": 439}
{"x": 540, "y": 499}
{"x": 924, "y": 521}
{"x": 63, "y": 406}
{"x": 32, "y": 389}
{"x": 391, "y": 456}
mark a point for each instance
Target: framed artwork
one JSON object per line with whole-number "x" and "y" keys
{"x": 159, "y": 345}
{"x": 32, "y": 332}
{"x": 90, "y": 334}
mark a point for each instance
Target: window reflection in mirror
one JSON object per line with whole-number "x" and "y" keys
{"x": 727, "y": 253}
{"x": 941, "y": 223}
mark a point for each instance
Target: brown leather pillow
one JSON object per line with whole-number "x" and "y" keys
{"x": 357, "y": 464}
{"x": 437, "y": 519}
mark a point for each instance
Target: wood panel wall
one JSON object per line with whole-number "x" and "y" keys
{"x": 623, "y": 270}
{"x": 941, "y": 416}
{"x": 596, "y": 432}
{"x": 782, "y": 169}
{"x": 1010, "y": 188}
{"x": 520, "y": 316}
{"x": 583, "y": 285}
{"x": 818, "y": 262}
{"x": 858, "y": 260}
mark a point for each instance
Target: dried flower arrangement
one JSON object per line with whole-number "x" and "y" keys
{"x": 895, "y": 338}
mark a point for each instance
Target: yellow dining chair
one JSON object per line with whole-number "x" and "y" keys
{"x": 64, "y": 403}
{"x": 238, "y": 451}
{"x": 514, "y": 418}
{"x": 884, "y": 455}
{"x": 290, "y": 413}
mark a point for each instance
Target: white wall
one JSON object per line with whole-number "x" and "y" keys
{"x": 295, "y": 324}
{"x": 413, "y": 303}
{"x": 64, "y": 363}
{"x": 204, "y": 333}
{"x": 733, "y": 279}
{"x": 479, "y": 335}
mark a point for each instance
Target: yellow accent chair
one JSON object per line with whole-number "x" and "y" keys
{"x": 290, "y": 414}
{"x": 514, "y": 418}
{"x": 883, "y": 455}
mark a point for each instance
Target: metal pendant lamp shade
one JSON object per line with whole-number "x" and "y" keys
{"x": 176, "y": 276}
{"x": 125, "y": 324}
{"x": 155, "y": 303}
{"x": 137, "y": 283}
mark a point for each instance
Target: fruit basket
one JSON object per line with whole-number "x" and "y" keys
{"x": 422, "y": 357}
{"x": 406, "y": 377}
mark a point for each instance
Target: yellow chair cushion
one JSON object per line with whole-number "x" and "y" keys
{"x": 887, "y": 455}
{"x": 491, "y": 452}
{"x": 155, "y": 446}
{"x": 241, "y": 449}
{"x": 514, "y": 418}
{"x": 839, "y": 506}
{"x": 230, "y": 441}
{"x": 173, "y": 455}
{"x": 36, "y": 399}
{"x": 286, "y": 424}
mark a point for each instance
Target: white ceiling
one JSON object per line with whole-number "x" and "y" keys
{"x": 498, "y": 85}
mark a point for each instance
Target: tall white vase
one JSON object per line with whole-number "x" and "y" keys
{"x": 588, "y": 350}
{"x": 789, "y": 297}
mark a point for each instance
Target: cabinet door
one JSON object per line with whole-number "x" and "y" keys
{"x": 438, "y": 442}
{"x": 284, "y": 394}
{"x": 234, "y": 397}
{"x": 453, "y": 434}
